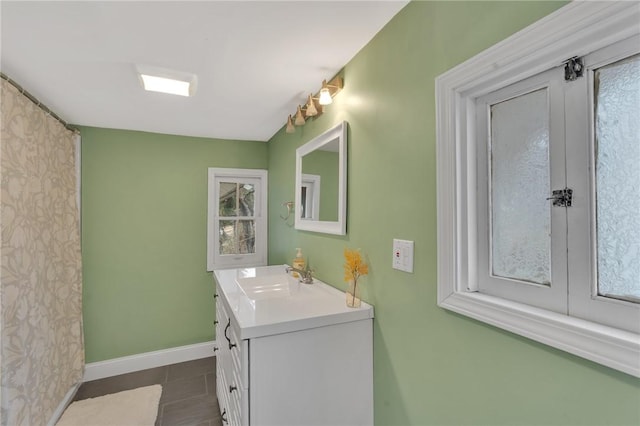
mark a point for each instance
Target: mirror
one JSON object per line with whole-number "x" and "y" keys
{"x": 321, "y": 183}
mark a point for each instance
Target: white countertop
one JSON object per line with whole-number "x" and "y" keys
{"x": 305, "y": 306}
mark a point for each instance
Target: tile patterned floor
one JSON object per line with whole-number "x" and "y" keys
{"x": 188, "y": 391}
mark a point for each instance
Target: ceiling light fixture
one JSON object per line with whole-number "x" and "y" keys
{"x": 164, "y": 80}
{"x": 153, "y": 83}
{"x": 314, "y": 106}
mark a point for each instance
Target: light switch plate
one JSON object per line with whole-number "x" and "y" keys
{"x": 402, "y": 255}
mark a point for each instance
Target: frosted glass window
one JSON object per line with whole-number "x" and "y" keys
{"x": 617, "y": 129}
{"x": 520, "y": 176}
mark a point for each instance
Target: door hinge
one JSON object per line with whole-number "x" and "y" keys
{"x": 573, "y": 68}
{"x": 561, "y": 197}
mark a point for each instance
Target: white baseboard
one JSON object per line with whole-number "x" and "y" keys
{"x": 63, "y": 405}
{"x": 128, "y": 364}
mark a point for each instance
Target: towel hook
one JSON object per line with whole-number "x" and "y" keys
{"x": 289, "y": 205}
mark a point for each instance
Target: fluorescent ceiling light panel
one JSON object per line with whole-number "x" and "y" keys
{"x": 165, "y": 85}
{"x": 165, "y": 80}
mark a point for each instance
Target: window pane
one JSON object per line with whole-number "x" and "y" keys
{"x": 228, "y": 237}
{"x": 520, "y": 228}
{"x": 228, "y": 198}
{"x": 246, "y": 206}
{"x": 617, "y": 128}
{"x": 237, "y": 237}
{"x": 246, "y": 236}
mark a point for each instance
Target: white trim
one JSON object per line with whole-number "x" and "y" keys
{"x": 581, "y": 28}
{"x": 68, "y": 398}
{"x": 128, "y": 364}
{"x": 608, "y": 346}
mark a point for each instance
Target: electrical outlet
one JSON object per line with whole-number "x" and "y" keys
{"x": 402, "y": 255}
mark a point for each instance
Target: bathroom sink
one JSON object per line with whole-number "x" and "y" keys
{"x": 267, "y": 286}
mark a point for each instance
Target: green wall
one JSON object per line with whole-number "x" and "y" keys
{"x": 144, "y": 209}
{"x": 432, "y": 367}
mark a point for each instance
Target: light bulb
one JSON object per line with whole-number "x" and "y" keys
{"x": 325, "y": 95}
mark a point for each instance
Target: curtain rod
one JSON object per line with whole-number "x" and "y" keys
{"x": 38, "y": 103}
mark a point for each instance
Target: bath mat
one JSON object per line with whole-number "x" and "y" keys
{"x": 136, "y": 407}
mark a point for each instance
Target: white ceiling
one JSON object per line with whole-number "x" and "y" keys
{"x": 255, "y": 61}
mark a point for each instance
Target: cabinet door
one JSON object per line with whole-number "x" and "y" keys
{"x": 300, "y": 378}
{"x": 231, "y": 368}
{"x": 222, "y": 357}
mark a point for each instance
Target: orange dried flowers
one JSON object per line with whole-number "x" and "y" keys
{"x": 354, "y": 266}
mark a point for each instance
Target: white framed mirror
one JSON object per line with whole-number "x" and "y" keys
{"x": 321, "y": 183}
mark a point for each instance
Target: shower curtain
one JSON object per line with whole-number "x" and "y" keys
{"x": 41, "y": 347}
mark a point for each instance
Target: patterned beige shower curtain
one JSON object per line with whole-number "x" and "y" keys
{"x": 41, "y": 347}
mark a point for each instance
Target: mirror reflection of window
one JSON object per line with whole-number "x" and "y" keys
{"x": 310, "y": 197}
{"x": 303, "y": 196}
{"x": 324, "y": 163}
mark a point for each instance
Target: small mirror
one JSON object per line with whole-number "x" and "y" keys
{"x": 321, "y": 183}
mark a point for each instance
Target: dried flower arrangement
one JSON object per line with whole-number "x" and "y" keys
{"x": 354, "y": 268}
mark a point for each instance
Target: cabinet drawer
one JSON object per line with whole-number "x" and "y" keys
{"x": 240, "y": 359}
{"x": 221, "y": 385}
{"x": 233, "y": 396}
{"x": 235, "y": 413}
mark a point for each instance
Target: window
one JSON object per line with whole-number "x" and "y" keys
{"x": 237, "y": 218}
{"x": 519, "y": 139}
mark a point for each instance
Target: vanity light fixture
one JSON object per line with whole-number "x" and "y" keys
{"x": 315, "y": 104}
{"x": 312, "y": 111}
{"x": 325, "y": 94}
{"x": 299, "y": 117}
{"x": 290, "y": 127}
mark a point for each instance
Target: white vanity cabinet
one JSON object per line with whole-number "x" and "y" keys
{"x": 231, "y": 368}
{"x": 302, "y": 358}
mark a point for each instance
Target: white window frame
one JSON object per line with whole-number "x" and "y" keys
{"x": 553, "y": 297}
{"x": 259, "y": 258}
{"x": 576, "y": 29}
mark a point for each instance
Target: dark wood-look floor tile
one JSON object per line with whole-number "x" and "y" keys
{"x": 211, "y": 383}
{"x": 192, "y": 411}
{"x": 188, "y": 391}
{"x": 216, "y": 421}
{"x": 193, "y": 368}
{"x": 179, "y": 389}
{"x": 121, "y": 383}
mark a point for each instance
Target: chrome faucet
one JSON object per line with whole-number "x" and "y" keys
{"x": 306, "y": 276}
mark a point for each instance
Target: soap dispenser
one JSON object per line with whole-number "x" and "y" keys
{"x": 298, "y": 262}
